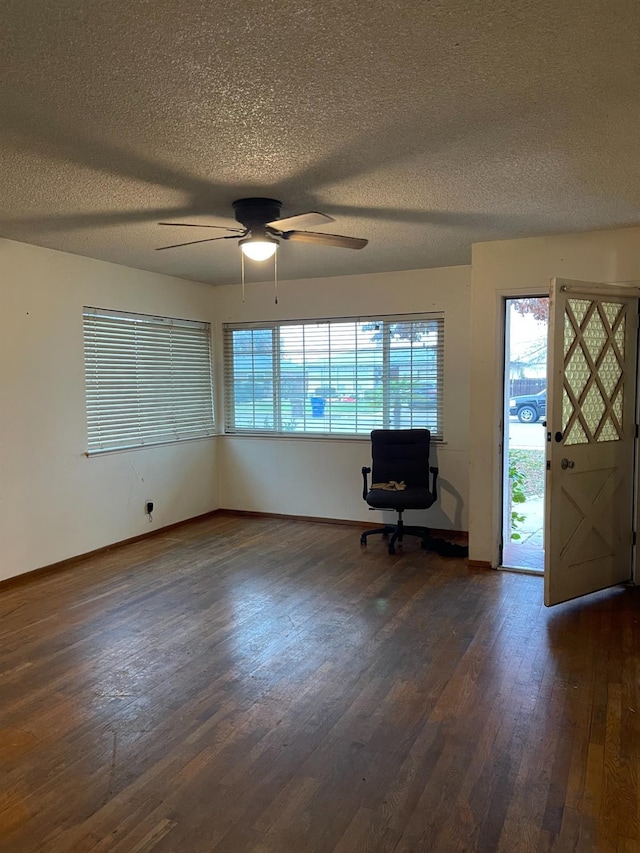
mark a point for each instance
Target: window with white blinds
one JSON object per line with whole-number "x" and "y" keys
{"x": 338, "y": 377}
{"x": 148, "y": 379}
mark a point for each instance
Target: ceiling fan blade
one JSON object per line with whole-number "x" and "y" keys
{"x": 193, "y": 242}
{"x": 202, "y": 225}
{"x": 301, "y": 220}
{"x": 338, "y": 240}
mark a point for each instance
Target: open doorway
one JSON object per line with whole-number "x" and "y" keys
{"x": 524, "y": 458}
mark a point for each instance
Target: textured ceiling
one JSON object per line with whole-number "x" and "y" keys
{"x": 423, "y": 126}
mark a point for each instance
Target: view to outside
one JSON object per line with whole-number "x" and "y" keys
{"x": 525, "y": 453}
{"x": 339, "y": 376}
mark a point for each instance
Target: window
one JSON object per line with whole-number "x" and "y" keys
{"x": 338, "y": 377}
{"x": 148, "y": 379}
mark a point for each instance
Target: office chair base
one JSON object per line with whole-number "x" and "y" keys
{"x": 397, "y": 532}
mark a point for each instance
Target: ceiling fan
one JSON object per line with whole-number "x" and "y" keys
{"x": 263, "y": 229}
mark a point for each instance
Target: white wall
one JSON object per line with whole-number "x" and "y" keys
{"x": 521, "y": 267}
{"x": 56, "y": 503}
{"x": 321, "y": 477}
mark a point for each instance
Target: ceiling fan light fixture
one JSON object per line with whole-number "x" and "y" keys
{"x": 258, "y": 248}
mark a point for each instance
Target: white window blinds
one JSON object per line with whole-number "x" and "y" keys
{"x": 337, "y": 377}
{"x": 148, "y": 379}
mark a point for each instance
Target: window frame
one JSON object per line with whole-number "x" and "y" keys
{"x": 228, "y": 388}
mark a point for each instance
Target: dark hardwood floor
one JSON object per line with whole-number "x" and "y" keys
{"x": 247, "y": 684}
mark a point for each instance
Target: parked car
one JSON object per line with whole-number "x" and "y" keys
{"x": 529, "y": 408}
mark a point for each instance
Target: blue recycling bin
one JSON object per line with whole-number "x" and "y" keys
{"x": 317, "y": 407}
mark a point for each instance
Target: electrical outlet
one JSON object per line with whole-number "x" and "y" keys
{"x": 148, "y": 507}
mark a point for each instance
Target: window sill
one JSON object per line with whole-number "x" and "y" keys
{"x": 308, "y": 436}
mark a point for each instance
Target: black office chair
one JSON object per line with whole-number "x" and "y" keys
{"x": 400, "y": 456}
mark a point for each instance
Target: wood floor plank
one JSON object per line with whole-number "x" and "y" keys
{"x": 265, "y": 685}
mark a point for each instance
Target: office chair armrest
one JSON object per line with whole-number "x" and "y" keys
{"x": 434, "y": 491}
{"x": 365, "y": 486}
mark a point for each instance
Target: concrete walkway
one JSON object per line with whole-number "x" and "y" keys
{"x": 532, "y": 528}
{"x": 527, "y": 552}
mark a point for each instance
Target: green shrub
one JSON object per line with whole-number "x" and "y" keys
{"x": 517, "y": 496}
{"x": 531, "y": 464}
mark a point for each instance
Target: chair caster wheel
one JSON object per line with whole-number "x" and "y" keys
{"x": 363, "y": 540}
{"x": 392, "y": 550}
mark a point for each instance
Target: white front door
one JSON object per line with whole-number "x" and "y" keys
{"x": 589, "y": 518}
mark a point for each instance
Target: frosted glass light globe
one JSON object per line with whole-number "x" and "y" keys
{"x": 258, "y": 249}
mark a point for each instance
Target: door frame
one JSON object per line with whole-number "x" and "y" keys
{"x": 635, "y": 569}
{"x": 500, "y": 412}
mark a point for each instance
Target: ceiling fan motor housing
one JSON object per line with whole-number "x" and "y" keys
{"x": 252, "y": 212}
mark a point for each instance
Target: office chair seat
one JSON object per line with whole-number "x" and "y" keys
{"x": 416, "y": 497}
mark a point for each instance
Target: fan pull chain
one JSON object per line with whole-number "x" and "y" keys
{"x": 242, "y": 267}
{"x": 275, "y": 274}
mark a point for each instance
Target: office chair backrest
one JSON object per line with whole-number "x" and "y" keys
{"x": 401, "y": 454}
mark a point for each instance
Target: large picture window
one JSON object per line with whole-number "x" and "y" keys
{"x": 339, "y": 377}
{"x": 148, "y": 379}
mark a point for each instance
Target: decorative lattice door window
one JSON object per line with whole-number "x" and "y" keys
{"x": 594, "y": 371}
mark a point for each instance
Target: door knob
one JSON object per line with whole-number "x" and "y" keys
{"x": 567, "y": 463}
